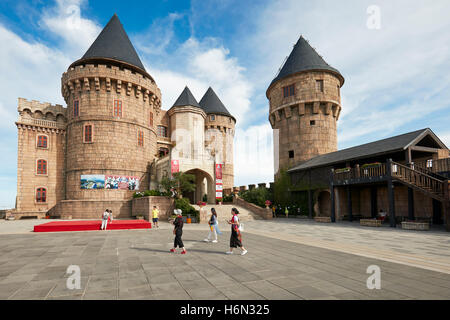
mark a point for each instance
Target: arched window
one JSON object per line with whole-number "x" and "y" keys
{"x": 42, "y": 141}
{"x": 41, "y": 167}
{"x": 41, "y": 195}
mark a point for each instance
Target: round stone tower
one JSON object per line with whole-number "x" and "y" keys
{"x": 305, "y": 104}
{"x": 219, "y": 126}
{"x": 111, "y": 102}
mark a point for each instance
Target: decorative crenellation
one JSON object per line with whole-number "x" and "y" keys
{"x": 43, "y": 107}
{"x": 91, "y": 77}
{"x": 41, "y": 128}
{"x": 305, "y": 109}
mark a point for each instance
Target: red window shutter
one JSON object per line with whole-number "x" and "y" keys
{"x": 151, "y": 119}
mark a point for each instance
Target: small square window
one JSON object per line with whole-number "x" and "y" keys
{"x": 291, "y": 154}
{"x": 213, "y": 118}
{"x": 288, "y": 91}
{"x": 319, "y": 85}
{"x": 312, "y": 122}
{"x": 42, "y": 142}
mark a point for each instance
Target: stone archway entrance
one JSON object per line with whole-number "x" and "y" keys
{"x": 204, "y": 185}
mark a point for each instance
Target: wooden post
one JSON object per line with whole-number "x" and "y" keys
{"x": 310, "y": 209}
{"x": 390, "y": 193}
{"x": 333, "y": 204}
{"x": 349, "y": 204}
{"x": 373, "y": 201}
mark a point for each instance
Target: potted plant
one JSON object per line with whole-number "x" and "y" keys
{"x": 267, "y": 203}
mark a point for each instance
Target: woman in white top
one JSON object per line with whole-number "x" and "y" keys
{"x": 236, "y": 239}
{"x": 105, "y": 219}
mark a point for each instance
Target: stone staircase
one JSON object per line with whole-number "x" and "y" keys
{"x": 224, "y": 212}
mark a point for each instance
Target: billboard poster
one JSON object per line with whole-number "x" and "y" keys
{"x": 175, "y": 166}
{"x": 92, "y": 181}
{"x": 122, "y": 182}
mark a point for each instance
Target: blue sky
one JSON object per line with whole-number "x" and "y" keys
{"x": 397, "y": 77}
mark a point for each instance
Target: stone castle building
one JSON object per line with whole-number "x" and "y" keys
{"x": 357, "y": 182}
{"x": 113, "y": 138}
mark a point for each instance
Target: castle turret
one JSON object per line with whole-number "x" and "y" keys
{"x": 111, "y": 102}
{"x": 219, "y": 126}
{"x": 305, "y": 104}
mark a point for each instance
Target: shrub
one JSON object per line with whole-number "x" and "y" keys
{"x": 186, "y": 208}
{"x": 228, "y": 198}
{"x": 256, "y": 196}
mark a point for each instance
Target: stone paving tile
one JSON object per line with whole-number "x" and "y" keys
{"x": 140, "y": 292}
{"x": 236, "y": 291}
{"x": 102, "y": 285}
{"x": 170, "y": 287}
{"x": 206, "y": 294}
{"x": 8, "y": 289}
{"x": 31, "y": 294}
{"x": 132, "y": 282}
{"x": 269, "y": 290}
{"x": 111, "y": 294}
{"x": 308, "y": 292}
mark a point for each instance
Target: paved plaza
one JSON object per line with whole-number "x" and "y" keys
{"x": 287, "y": 259}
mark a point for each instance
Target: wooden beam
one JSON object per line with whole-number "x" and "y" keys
{"x": 333, "y": 200}
{"x": 424, "y": 149}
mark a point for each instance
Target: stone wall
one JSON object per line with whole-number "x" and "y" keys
{"x": 265, "y": 213}
{"x": 92, "y": 209}
{"x": 144, "y": 206}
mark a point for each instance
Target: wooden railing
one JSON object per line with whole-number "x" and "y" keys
{"x": 360, "y": 173}
{"x": 419, "y": 179}
{"x": 435, "y": 166}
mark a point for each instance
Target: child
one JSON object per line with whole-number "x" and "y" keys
{"x": 178, "y": 232}
{"x": 155, "y": 213}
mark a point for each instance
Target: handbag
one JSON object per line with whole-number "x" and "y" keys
{"x": 241, "y": 227}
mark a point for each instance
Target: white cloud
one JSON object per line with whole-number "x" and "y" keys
{"x": 65, "y": 21}
{"x": 253, "y": 155}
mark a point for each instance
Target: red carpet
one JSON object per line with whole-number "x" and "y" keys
{"x": 91, "y": 225}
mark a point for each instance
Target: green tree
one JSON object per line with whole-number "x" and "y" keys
{"x": 282, "y": 186}
{"x": 181, "y": 182}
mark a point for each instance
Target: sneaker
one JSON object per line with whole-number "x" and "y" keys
{"x": 183, "y": 252}
{"x": 229, "y": 252}
{"x": 172, "y": 250}
{"x": 244, "y": 252}
{"x": 206, "y": 240}
{"x": 214, "y": 241}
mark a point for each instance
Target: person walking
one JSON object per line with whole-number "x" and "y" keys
{"x": 178, "y": 232}
{"x": 155, "y": 216}
{"x": 105, "y": 217}
{"x": 213, "y": 227}
{"x": 110, "y": 216}
{"x": 236, "y": 239}
{"x": 286, "y": 212}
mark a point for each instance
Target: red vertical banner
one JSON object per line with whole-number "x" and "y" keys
{"x": 219, "y": 171}
{"x": 219, "y": 184}
{"x": 175, "y": 166}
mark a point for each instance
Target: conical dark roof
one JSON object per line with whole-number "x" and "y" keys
{"x": 113, "y": 43}
{"x": 211, "y": 103}
{"x": 186, "y": 98}
{"x": 304, "y": 58}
